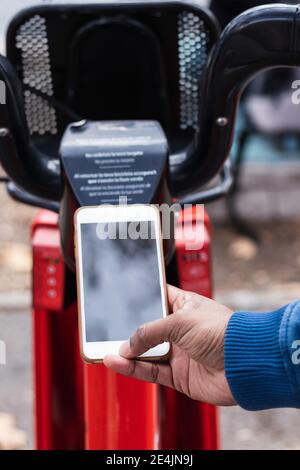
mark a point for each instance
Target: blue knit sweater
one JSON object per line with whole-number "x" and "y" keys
{"x": 262, "y": 358}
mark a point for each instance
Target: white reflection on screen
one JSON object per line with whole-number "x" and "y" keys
{"x": 121, "y": 285}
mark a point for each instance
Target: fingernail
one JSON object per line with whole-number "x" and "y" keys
{"x": 125, "y": 349}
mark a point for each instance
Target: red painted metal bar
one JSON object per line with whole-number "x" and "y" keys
{"x": 58, "y": 370}
{"x": 43, "y": 385}
{"x": 121, "y": 413}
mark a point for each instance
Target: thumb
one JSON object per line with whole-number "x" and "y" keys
{"x": 170, "y": 329}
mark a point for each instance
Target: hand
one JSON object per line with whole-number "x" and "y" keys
{"x": 196, "y": 330}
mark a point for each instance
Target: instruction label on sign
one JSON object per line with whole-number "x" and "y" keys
{"x": 108, "y": 160}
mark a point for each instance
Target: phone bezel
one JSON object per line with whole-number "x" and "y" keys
{"x": 95, "y": 352}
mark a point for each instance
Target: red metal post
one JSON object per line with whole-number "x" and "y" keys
{"x": 121, "y": 413}
{"x": 58, "y": 368}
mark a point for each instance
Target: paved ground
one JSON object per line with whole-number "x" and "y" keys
{"x": 16, "y": 396}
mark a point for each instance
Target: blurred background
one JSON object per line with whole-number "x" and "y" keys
{"x": 256, "y": 251}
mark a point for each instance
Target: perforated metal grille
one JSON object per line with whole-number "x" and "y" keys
{"x": 193, "y": 39}
{"x": 32, "y": 40}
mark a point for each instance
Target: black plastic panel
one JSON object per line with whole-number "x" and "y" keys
{"x": 114, "y": 61}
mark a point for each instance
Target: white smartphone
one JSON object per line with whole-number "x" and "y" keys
{"x": 120, "y": 277}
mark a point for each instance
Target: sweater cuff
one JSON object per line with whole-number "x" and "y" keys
{"x": 254, "y": 362}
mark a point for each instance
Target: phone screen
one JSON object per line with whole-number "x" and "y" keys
{"x": 121, "y": 282}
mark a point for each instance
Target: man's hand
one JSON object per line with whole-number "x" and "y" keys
{"x": 196, "y": 330}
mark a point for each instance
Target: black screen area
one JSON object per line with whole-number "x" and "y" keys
{"x": 121, "y": 283}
